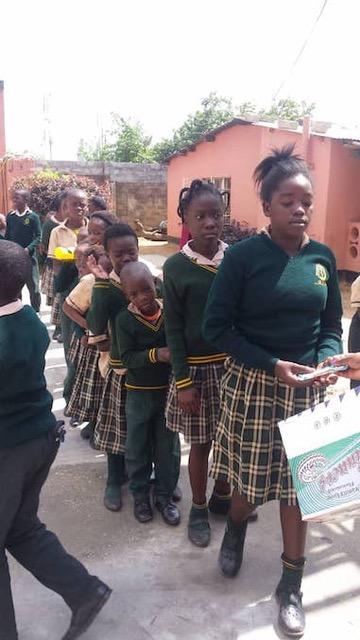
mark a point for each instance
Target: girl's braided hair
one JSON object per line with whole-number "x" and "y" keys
{"x": 187, "y": 194}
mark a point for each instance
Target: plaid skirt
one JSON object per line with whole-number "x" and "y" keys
{"x": 55, "y": 317}
{"x": 110, "y": 429}
{"x": 47, "y": 284}
{"x": 86, "y": 395}
{"x": 200, "y": 428}
{"x": 75, "y": 350}
{"x": 248, "y": 449}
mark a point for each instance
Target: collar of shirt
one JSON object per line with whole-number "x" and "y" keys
{"x": 114, "y": 276}
{"x": 12, "y": 307}
{"x": 134, "y": 309}
{"x": 20, "y": 215}
{"x": 266, "y": 231}
{"x": 197, "y": 257}
{"x": 63, "y": 225}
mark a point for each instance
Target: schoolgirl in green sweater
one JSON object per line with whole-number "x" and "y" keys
{"x": 193, "y": 401}
{"x": 275, "y": 307}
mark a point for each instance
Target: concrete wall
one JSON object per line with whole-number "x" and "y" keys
{"x": 139, "y": 190}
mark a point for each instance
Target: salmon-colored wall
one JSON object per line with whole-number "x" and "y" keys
{"x": 2, "y": 121}
{"x": 343, "y": 204}
{"x": 11, "y": 170}
{"x": 236, "y": 151}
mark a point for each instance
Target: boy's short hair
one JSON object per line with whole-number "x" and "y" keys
{"x": 119, "y": 230}
{"x": 14, "y": 269}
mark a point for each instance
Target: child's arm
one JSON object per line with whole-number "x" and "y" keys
{"x": 175, "y": 328}
{"x": 74, "y": 315}
{"x": 36, "y": 226}
{"x": 330, "y": 342}
{"x": 99, "y": 311}
{"x": 131, "y": 357}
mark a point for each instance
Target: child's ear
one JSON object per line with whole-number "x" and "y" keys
{"x": 266, "y": 208}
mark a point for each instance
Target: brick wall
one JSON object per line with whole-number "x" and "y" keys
{"x": 140, "y": 200}
{"x": 139, "y": 190}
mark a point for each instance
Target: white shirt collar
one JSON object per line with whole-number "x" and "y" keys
{"x": 197, "y": 257}
{"x": 20, "y": 215}
{"x": 12, "y": 307}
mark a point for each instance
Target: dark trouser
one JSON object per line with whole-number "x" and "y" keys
{"x": 23, "y": 471}
{"x": 354, "y": 340}
{"x": 67, "y": 328}
{"x": 147, "y": 442}
{"x": 32, "y": 284}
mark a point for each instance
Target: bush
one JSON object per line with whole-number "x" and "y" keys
{"x": 45, "y": 185}
{"x": 236, "y": 231}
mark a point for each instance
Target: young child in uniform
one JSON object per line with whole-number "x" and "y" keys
{"x": 275, "y": 308}
{"x": 354, "y": 331}
{"x": 140, "y": 334}
{"x": 23, "y": 227}
{"x": 66, "y": 236}
{"x": 29, "y": 442}
{"x": 193, "y": 402}
{"x": 47, "y": 278}
{"x": 108, "y": 299}
{"x": 86, "y": 395}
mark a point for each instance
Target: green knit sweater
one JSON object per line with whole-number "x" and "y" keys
{"x": 107, "y": 300}
{"x": 265, "y": 305}
{"x": 24, "y": 230}
{"x": 186, "y": 288}
{"x": 25, "y": 403}
{"x": 138, "y": 341}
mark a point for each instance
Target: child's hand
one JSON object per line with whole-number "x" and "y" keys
{"x": 84, "y": 341}
{"x": 189, "y": 400}
{"x": 352, "y": 360}
{"x": 96, "y": 269}
{"x": 324, "y": 381}
{"x": 287, "y": 372}
{"x": 103, "y": 346}
{"x": 163, "y": 354}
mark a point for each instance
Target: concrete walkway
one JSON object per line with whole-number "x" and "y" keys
{"x": 164, "y": 588}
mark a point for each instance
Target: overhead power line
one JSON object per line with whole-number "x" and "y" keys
{"x": 302, "y": 49}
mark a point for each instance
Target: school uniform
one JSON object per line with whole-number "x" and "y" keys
{"x": 86, "y": 395}
{"x": 47, "y": 278}
{"x": 188, "y": 277}
{"x": 148, "y": 441}
{"x": 107, "y": 300}
{"x": 25, "y": 229}
{"x": 354, "y": 331}
{"x": 265, "y": 305}
{"x": 28, "y": 447}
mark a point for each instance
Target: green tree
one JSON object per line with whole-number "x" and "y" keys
{"x": 288, "y": 109}
{"x": 124, "y": 142}
{"x": 215, "y": 110}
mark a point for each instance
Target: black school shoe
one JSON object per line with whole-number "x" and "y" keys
{"x": 142, "y": 509}
{"x": 291, "y": 618}
{"x": 219, "y": 505}
{"x": 84, "y": 615}
{"x": 169, "y": 511}
{"x": 232, "y": 548}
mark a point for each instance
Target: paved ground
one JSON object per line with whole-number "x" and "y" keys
{"x": 164, "y": 588}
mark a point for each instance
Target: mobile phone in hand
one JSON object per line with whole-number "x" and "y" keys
{"x": 319, "y": 373}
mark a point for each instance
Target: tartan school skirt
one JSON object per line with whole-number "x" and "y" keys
{"x": 55, "y": 317}
{"x": 86, "y": 395}
{"x": 47, "y": 284}
{"x": 75, "y": 349}
{"x": 248, "y": 451}
{"x": 200, "y": 428}
{"x": 110, "y": 428}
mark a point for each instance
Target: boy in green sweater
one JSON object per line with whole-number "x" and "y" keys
{"x": 140, "y": 335}
{"x": 23, "y": 227}
{"x": 29, "y": 441}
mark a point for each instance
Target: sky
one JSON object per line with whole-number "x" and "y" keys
{"x": 153, "y": 61}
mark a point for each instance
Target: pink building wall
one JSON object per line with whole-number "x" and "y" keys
{"x": 2, "y": 121}
{"x": 237, "y": 150}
